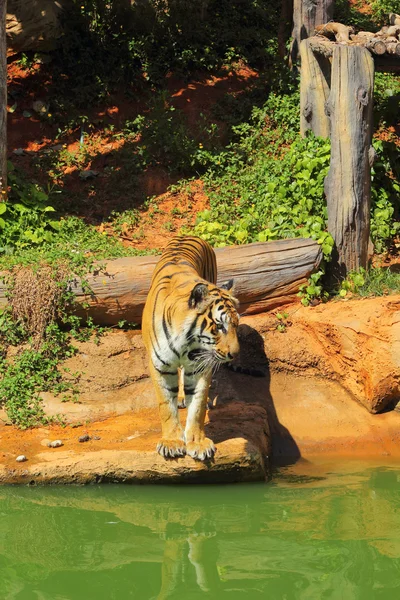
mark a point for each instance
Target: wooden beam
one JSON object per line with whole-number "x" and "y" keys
{"x": 266, "y": 274}
{"x": 348, "y": 183}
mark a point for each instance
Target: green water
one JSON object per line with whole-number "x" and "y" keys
{"x": 313, "y": 532}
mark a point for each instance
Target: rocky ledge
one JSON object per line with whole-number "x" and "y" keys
{"x": 330, "y": 386}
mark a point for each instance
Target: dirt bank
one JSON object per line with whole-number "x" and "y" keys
{"x": 325, "y": 375}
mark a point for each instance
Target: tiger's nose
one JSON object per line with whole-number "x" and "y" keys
{"x": 233, "y": 352}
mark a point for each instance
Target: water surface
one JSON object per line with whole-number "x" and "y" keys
{"x": 313, "y": 532}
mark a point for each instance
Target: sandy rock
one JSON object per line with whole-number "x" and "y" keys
{"x": 356, "y": 343}
{"x": 124, "y": 350}
{"x": 55, "y": 444}
{"x": 237, "y": 460}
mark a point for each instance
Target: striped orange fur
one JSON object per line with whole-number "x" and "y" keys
{"x": 189, "y": 328}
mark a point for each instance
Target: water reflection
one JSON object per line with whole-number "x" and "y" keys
{"x": 306, "y": 535}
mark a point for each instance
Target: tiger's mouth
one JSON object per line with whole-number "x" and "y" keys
{"x": 208, "y": 360}
{"x": 224, "y": 358}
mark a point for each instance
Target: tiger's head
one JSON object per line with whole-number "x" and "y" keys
{"x": 214, "y": 337}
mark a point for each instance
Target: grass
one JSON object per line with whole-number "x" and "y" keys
{"x": 379, "y": 281}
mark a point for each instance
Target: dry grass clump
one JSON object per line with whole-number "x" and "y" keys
{"x": 37, "y": 298}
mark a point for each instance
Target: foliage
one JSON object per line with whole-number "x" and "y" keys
{"x": 349, "y": 13}
{"x": 106, "y": 44}
{"x": 31, "y": 372}
{"x": 386, "y": 97}
{"x": 269, "y": 184}
{"x": 382, "y": 8}
{"x": 378, "y": 281}
{"x": 313, "y": 290}
{"x": 30, "y": 355}
{"x": 27, "y": 219}
{"x": 30, "y": 233}
{"x": 259, "y": 197}
{"x": 164, "y": 138}
{"x": 385, "y": 195}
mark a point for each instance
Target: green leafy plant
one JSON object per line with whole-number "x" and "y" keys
{"x": 376, "y": 281}
{"x": 382, "y": 8}
{"x": 353, "y": 283}
{"x": 313, "y": 290}
{"x": 283, "y": 321}
{"x": 386, "y": 97}
{"x": 36, "y": 335}
{"x": 27, "y": 219}
{"x": 270, "y": 199}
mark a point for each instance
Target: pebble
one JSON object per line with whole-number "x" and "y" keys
{"x": 40, "y": 107}
{"x": 84, "y": 438}
{"x": 55, "y": 444}
{"x": 96, "y": 437}
{"x": 21, "y": 458}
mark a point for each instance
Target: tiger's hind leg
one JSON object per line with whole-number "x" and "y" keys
{"x": 172, "y": 443}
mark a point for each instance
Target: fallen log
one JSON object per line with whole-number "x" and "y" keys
{"x": 371, "y": 41}
{"x": 393, "y": 47}
{"x": 266, "y": 274}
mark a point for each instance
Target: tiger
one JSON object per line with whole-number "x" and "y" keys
{"x": 189, "y": 328}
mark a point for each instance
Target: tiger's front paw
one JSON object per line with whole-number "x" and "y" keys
{"x": 201, "y": 450}
{"x": 171, "y": 448}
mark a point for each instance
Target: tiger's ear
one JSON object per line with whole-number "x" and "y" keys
{"x": 198, "y": 295}
{"x": 227, "y": 285}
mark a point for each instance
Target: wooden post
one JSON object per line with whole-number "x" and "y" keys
{"x": 307, "y": 14}
{"x": 3, "y": 102}
{"x": 314, "y": 89}
{"x": 348, "y": 183}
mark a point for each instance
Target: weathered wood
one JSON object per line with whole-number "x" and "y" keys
{"x": 392, "y": 30}
{"x": 337, "y": 31}
{"x": 314, "y": 87}
{"x": 394, "y": 19}
{"x": 321, "y": 46}
{"x": 382, "y": 43}
{"x": 376, "y": 45}
{"x": 307, "y": 14}
{"x": 3, "y": 102}
{"x": 393, "y": 47}
{"x": 266, "y": 275}
{"x": 348, "y": 184}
